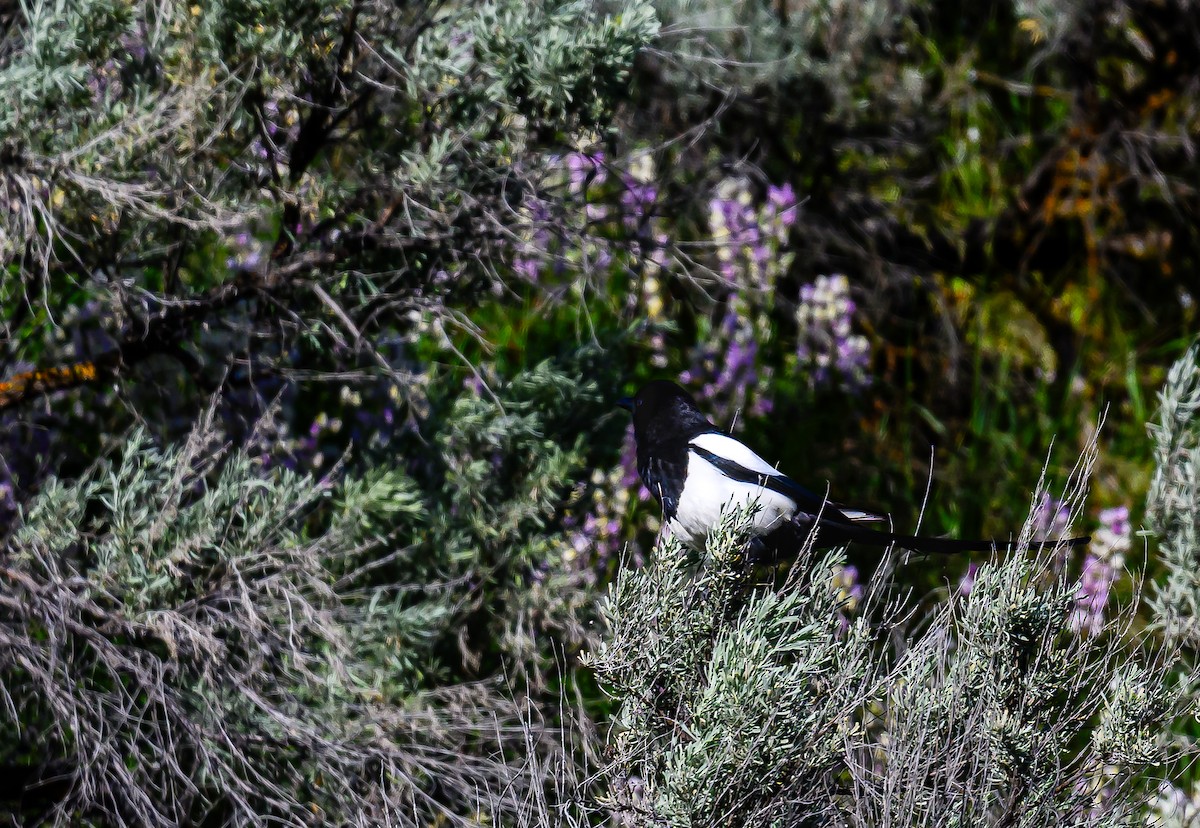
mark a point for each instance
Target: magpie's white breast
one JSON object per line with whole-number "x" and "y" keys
{"x": 708, "y": 492}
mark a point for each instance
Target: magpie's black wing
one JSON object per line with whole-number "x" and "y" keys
{"x": 664, "y": 477}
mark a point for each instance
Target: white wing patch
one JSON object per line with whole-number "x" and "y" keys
{"x": 731, "y": 449}
{"x": 708, "y": 493}
{"x": 859, "y": 516}
{"x": 735, "y": 451}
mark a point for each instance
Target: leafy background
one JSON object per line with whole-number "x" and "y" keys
{"x": 390, "y": 265}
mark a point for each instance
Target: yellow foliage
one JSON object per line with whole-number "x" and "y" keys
{"x": 1032, "y": 28}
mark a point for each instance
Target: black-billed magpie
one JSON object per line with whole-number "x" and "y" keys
{"x": 696, "y": 471}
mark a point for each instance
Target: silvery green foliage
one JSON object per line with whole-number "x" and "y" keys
{"x": 507, "y": 458}
{"x": 545, "y": 68}
{"x": 736, "y": 703}
{"x": 1000, "y": 715}
{"x": 188, "y": 636}
{"x": 137, "y": 134}
{"x": 542, "y": 67}
{"x": 746, "y": 704}
{"x": 744, "y": 44}
{"x": 1173, "y": 502}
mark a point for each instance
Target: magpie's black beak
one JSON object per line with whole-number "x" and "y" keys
{"x": 626, "y": 403}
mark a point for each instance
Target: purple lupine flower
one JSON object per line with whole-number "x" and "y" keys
{"x": 582, "y": 166}
{"x": 741, "y": 241}
{"x": 1116, "y": 521}
{"x": 1094, "y": 585}
{"x": 527, "y": 268}
{"x": 531, "y": 253}
{"x": 826, "y": 343}
{"x": 849, "y": 594}
{"x": 245, "y": 252}
{"x": 1114, "y": 538}
{"x": 784, "y": 206}
{"x": 8, "y": 505}
{"x": 1174, "y": 806}
{"x": 603, "y": 258}
{"x": 1101, "y": 568}
{"x": 727, "y": 369}
{"x": 1051, "y": 518}
{"x": 600, "y": 530}
{"x": 134, "y": 45}
{"x": 473, "y": 384}
{"x": 781, "y": 197}
{"x": 968, "y": 579}
{"x": 271, "y": 116}
{"x": 748, "y": 235}
{"x": 638, "y": 201}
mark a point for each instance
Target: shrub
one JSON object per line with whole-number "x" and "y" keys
{"x": 750, "y": 703}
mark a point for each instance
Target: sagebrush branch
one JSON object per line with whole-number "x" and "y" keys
{"x": 158, "y": 333}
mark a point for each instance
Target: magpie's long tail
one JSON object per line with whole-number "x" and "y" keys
{"x": 835, "y": 533}
{"x": 938, "y": 546}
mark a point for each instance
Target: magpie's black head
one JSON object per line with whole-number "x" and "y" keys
{"x": 663, "y": 411}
